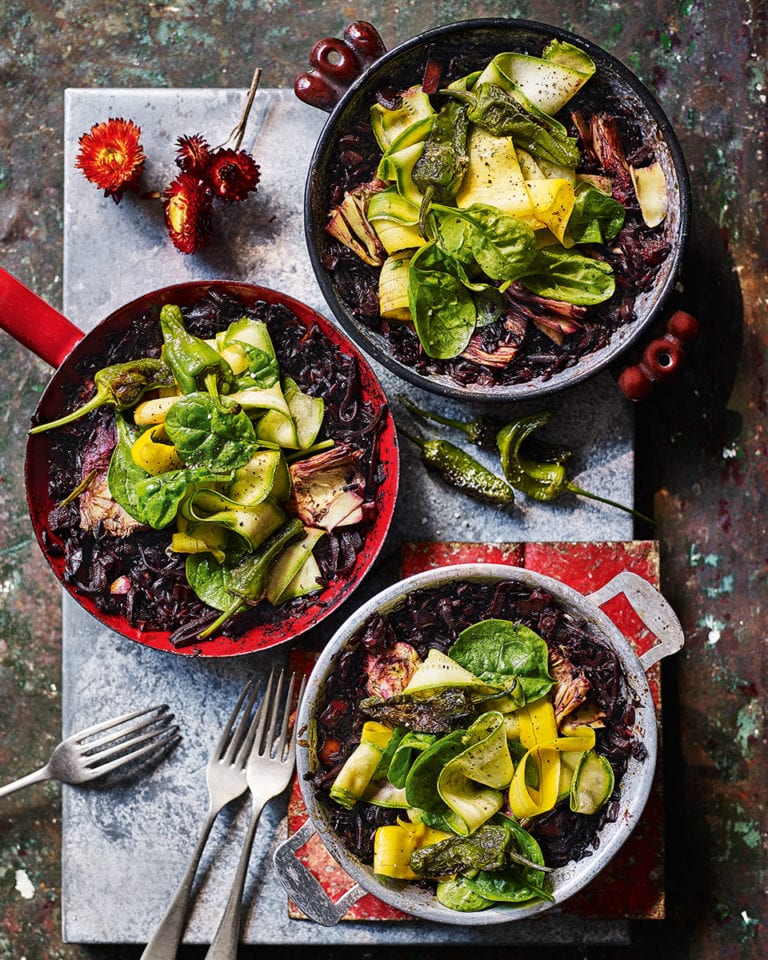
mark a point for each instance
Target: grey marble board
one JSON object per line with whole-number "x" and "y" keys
{"x": 126, "y": 846}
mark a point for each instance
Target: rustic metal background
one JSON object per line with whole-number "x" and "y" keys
{"x": 702, "y": 453}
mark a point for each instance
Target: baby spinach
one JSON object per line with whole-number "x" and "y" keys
{"x": 442, "y": 307}
{"x": 159, "y": 497}
{"x": 421, "y": 782}
{"x": 407, "y": 749}
{"x": 124, "y": 473}
{"x": 502, "y": 246}
{"x": 211, "y": 580}
{"x": 596, "y": 217}
{"x": 495, "y": 650}
{"x": 206, "y": 435}
{"x": 561, "y": 274}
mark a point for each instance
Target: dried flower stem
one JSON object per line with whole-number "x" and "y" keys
{"x": 239, "y": 131}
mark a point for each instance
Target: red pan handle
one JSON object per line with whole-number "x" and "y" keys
{"x": 35, "y": 323}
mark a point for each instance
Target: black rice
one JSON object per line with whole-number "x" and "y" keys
{"x": 434, "y": 618}
{"x": 636, "y": 255}
{"x": 159, "y": 597}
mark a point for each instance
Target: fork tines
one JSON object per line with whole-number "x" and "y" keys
{"x": 127, "y": 738}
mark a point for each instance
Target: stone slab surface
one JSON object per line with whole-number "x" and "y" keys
{"x": 125, "y": 848}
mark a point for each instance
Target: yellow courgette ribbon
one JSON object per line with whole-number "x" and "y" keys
{"x": 538, "y": 734}
{"x": 154, "y": 453}
{"x": 394, "y": 844}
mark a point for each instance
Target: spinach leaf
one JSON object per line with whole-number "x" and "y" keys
{"x": 571, "y": 277}
{"x": 124, "y": 473}
{"x": 207, "y": 436}
{"x": 517, "y": 882}
{"x": 421, "y": 782}
{"x": 411, "y": 745}
{"x": 596, "y": 217}
{"x": 210, "y": 580}
{"x": 160, "y": 496}
{"x": 495, "y": 650}
{"x": 490, "y": 305}
{"x": 263, "y": 369}
{"x": 502, "y": 246}
{"x": 442, "y": 308}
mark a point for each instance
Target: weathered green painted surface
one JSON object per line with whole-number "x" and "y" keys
{"x": 702, "y": 449}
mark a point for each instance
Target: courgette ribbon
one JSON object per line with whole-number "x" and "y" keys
{"x": 154, "y": 452}
{"x": 393, "y": 846}
{"x": 538, "y": 734}
{"x": 361, "y": 766}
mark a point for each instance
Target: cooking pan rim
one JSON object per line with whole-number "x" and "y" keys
{"x": 622, "y": 340}
{"x": 386, "y": 495}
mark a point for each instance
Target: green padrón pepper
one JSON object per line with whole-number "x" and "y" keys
{"x": 122, "y": 385}
{"x": 484, "y": 431}
{"x": 502, "y": 115}
{"x": 538, "y": 479}
{"x": 441, "y": 167}
{"x": 462, "y": 471}
{"x": 195, "y": 364}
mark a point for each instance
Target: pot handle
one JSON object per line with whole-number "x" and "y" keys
{"x": 657, "y": 615}
{"x": 303, "y": 887}
{"x": 35, "y": 323}
{"x": 336, "y": 64}
{"x": 661, "y": 358}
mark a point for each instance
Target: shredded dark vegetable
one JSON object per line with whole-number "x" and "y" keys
{"x": 636, "y": 255}
{"x": 434, "y": 618}
{"x": 157, "y": 595}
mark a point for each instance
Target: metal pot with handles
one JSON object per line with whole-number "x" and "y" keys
{"x": 417, "y": 900}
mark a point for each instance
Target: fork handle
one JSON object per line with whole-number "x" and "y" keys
{"x": 165, "y": 942}
{"x": 43, "y": 773}
{"x": 227, "y": 937}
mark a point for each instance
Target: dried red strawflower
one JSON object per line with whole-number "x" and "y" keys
{"x": 193, "y": 154}
{"x": 112, "y": 157}
{"x": 188, "y": 212}
{"x": 232, "y": 174}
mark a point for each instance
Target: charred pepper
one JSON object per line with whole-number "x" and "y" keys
{"x": 122, "y": 385}
{"x": 484, "y": 431}
{"x": 195, "y": 364}
{"x": 462, "y": 471}
{"x": 441, "y": 167}
{"x": 503, "y": 115}
{"x": 539, "y": 479}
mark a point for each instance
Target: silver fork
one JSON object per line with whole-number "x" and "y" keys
{"x": 81, "y": 758}
{"x": 226, "y": 780}
{"x": 269, "y": 771}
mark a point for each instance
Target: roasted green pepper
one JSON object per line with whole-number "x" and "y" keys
{"x": 538, "y": 479}
{"x": 122, "y": 385}
{"x": 463, "y": 472}
{"x": 483, "y": 432}
{"x": 441, "y": 167}
{"x": 503, "y": 115}
{"x": 195, "y": 363}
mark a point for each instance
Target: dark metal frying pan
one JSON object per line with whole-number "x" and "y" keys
{"x": 345, "y": 77}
